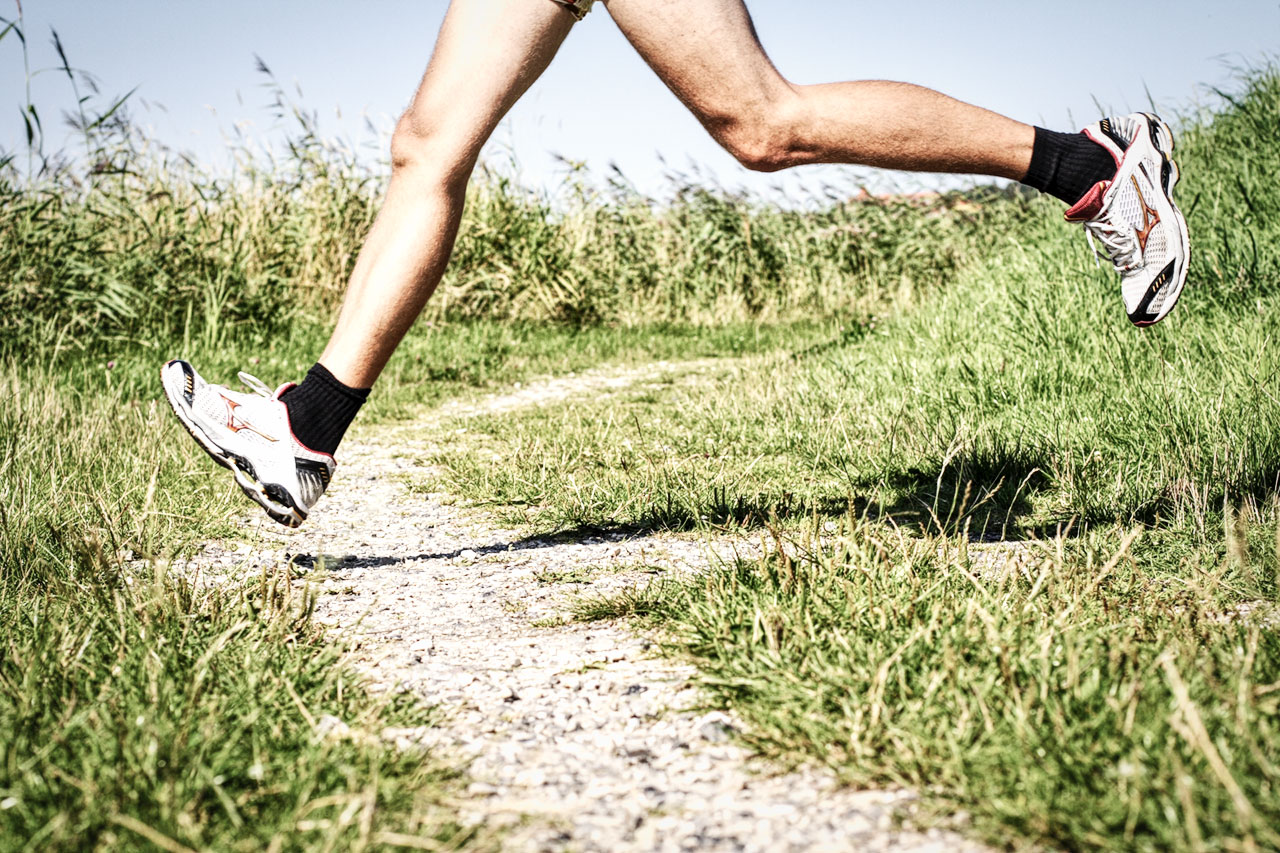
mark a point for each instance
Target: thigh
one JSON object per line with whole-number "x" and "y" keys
{"x": 488, "y": 53}
{"x": 706, "y": 51}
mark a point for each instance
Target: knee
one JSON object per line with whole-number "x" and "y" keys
{"x": 762, "y": 138}
{"x": 409, "y": 142}
{"x": 420, "y": 148}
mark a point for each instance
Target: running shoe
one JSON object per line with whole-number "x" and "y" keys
{"x": 1133, "y": 217}
{"x": 250, "y": 434}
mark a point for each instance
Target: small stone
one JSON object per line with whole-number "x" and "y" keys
{"x": 715, "y": 731}
{"x": 332, "y": 728}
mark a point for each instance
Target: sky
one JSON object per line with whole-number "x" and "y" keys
{"x": 1053, "y": 64}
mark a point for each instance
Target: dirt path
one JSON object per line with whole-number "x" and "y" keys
{"x": 577, "y": 736}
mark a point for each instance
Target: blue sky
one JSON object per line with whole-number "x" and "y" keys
{"x": 1046, "y": 63}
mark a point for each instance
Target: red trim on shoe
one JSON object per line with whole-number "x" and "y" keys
{"x": 308, "y": 449}
{"x": 289, "y": 424}
{"x": 1089, "y": 205}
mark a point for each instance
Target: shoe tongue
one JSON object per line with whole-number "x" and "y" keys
{"x": 1089, "y": 205}
{"x": 285, "y": 387}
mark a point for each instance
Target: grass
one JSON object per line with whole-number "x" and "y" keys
{"x": 139, "y": 707}
{"x": 1020, "y": 382}
{"x": 149, "y": 247}
{"x": 1119, "y": 691}
{"x": 134, "y": 700}
{"x": 1097, "y": 696}
{"x": 901, "y": 382}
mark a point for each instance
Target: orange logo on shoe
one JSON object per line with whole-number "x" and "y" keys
{"x": 1149, "y": 216}
{"x": 235, "y": 424}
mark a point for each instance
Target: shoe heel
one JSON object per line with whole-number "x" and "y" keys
{"x": 1162, "y": 139}
{"x": 1161, "y": 135}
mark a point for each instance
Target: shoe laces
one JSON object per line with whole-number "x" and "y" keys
{"x": 255, "y": 384}
{"x": 1120, "y": 243}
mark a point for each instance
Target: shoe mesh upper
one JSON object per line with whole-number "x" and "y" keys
{"x": 241, "y": 414}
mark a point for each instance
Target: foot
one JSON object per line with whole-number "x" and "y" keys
{"x": 250, "y": 434}
{"x": 1134, "y": 218}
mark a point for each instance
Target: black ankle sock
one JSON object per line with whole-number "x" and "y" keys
{"x": 321, "y": 409}
{"x": 1067, "y": 165}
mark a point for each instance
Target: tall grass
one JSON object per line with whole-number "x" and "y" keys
{"x": 160, "y": 250}
{"x": 146, "y": 247}
{"x": 1077, "y": 695}
{"x": 138, "y": 244}
{"x": 140, "y": 708}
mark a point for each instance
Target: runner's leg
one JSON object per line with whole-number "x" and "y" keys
{"x": 280, "y": 447}
{"x": 707, "y": 53}
{"x": 1117, "y": 176}
{"x": 487, "y": 54}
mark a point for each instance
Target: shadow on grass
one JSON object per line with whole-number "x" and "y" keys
{"x": 988, "y": 496}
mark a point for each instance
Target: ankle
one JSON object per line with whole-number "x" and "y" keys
{"x": 322, "y": 408}
{"x": 1067, "y": 165}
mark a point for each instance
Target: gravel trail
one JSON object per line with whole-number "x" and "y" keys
{"x": 576, "y": 736}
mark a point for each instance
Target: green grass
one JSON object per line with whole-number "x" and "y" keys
{"x": 1021, "y": 380}
{"x": 898, "y": 381}
{"x": 149, "y": 248}
{"x": 129, "y": 697}
{"x": 1095, "y": 697}
{"x": 1115, "y": 693}
{"x": 140, "y": 708}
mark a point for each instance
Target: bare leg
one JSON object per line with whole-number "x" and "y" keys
{"x": 707, "y": 53}
{"x": 488, "y": 53}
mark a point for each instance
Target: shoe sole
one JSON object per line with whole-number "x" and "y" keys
{"x": 245, "y": 478}
{"x": 1162, "y": 139}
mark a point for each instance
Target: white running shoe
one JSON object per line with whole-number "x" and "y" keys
{"x": 1133, "y": 215}
{"x": 250, "y": 434}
